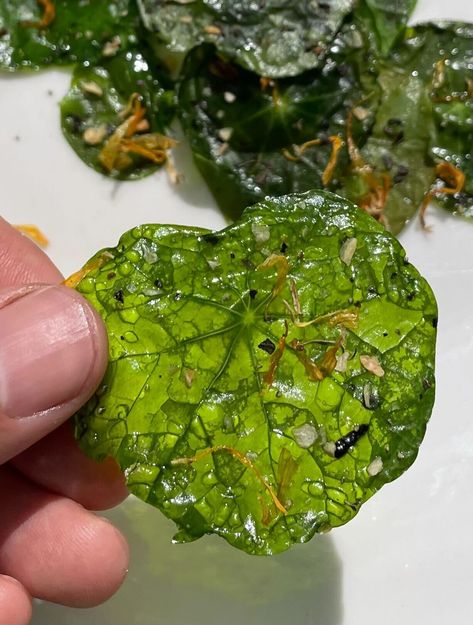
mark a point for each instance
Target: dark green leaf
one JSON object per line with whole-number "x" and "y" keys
{"x": 204, "y": 420}
{"x": 238, "y": 129}
{"x": 79, "y": 31}
{"x": 270, "y": 37}
{"x": 397, "y": 148}
{"x": 442, "y": 54}
{"x": 98, "y": 97}
{"x": 384, "y": 21}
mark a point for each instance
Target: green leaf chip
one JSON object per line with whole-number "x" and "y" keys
{"x": 266, "y": 380}
{"x": 272, "y": 38}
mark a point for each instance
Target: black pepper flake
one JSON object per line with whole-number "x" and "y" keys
{"x": 211, "y": 238}
{"x": 401, "y": 173}
{"x": 410, "y": 296}
{"x": 232, "y": 255}
{"x": 118, "y": 295}
{"x": 435, "y": 322}
{"x": 267, "y": 346}
{"x": 344, "y": 443}
{"x": 177, "y": 296}
{"x": 111, "y": 275}
{"x": 393, "y": 129}
{"x": 158, "y": 284}
{"x": 253, "y": 293}
{"x": 283, "y": 247}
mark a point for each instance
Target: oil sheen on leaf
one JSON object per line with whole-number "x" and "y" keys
{"x": 272, "y": 38}
{"x": 265, "y": 380}
{"x": 96, "y": 105}
{"x": 80, "y": 31}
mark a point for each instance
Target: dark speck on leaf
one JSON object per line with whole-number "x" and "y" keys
{"x": 283, "y": 247}
{"x": 232, "y": 255}
{"x": 122, "y": 338}
{"x": 435, "y": 322}
{"x": 211, "y": 238}
{"x": 118, "y": 295}
{"x": 178, "y": 296}
{"x": 267, "y": 346}
{"x": 253, "y": 293}
{"x": 401, "y": 173}
{"x": 410, "y": 296}
{"x": 158, "y": 284}
{"x": 111, "y": 275}
{"x": 344, "y": 443}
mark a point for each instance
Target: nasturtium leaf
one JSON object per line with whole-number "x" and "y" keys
{"x": 96, "y": 105}
{"x": 272, "y": 38}
{"x": 246, "y": 135}
{"x": 80, "y": 31}
{"x": 384, "y": 21}
{"x": 265, "y": 380}
{"x": 441, "y": 55}
{"x": 396, "y": 151}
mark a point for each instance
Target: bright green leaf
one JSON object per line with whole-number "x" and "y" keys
{"x": 227, "y": 409}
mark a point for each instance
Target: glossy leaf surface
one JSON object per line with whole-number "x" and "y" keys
{"x": 270, "y": 37}
{"x": 265, "y": 380}
{"x": 80, "y": 31}
{"x": 245, "y": 134}
{"x": 98, "y": 98}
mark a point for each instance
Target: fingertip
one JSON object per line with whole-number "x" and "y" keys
{"x": 15, "y": 602}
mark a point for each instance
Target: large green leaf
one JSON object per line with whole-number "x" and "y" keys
{"x": 224, "y": 407}
{"x": 98, "y": 97}
{"x": 270, "y": 37}
{"x": 241, "y": 132}
{"x": 79, "y": 32}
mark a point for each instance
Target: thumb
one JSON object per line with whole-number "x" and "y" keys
{"x": 53, "y": 354}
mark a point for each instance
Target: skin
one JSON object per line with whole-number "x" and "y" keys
{"x": 51, "y": 545}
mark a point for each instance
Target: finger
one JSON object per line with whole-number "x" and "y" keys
{"x": 57, "y": 463}
{"x": 53, "y": 354}
{"x": 21, "y": 260}
{"x": 15, "y": 602}
{"x": 55, "y": 548}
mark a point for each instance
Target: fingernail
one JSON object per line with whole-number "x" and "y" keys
{"x": 47, "y": 349}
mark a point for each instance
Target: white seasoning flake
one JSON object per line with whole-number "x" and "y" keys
{"x": 342, "y": 362}
{"x": 361, "y": 113}
{"x": 112, "y": 47}
{"x": 347, "y": 250}
{"x": 375, "y": 467}
{"x": 186, "y": 19}
{"x": 261, "y": 232}
{"x": 305, "y": 435}
{"x": 150, "y": 257}
{"x": 89, "y": 86}
{"x": 372, "y": 364}
{"x": 330, "y": 448}
{"x": 95, "y": 136}
{"x": 367, "y": 395}
{"x": 211, "y": 29}
{"x": 229, "y": 97}
{"x": 225, "y": 134}
{"x": 213, "y": 264}
{"x": 189, "y": 377}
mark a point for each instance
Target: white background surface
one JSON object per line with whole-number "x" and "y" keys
{"x": 407, "y": 557}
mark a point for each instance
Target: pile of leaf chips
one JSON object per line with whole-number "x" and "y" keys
{"x": 274, "y": 96}
{"x": 265, "y": 380}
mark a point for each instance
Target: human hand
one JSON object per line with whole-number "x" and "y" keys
{"x": 53, "y": 353}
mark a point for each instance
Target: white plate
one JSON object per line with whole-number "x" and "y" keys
{"x": 406, "y": 557}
